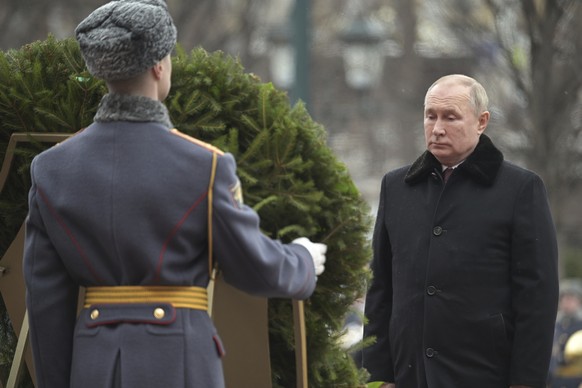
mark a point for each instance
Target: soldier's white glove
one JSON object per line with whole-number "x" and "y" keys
{"x": 317, "y": 251}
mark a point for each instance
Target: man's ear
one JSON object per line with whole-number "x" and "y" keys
{"x": 483, "y": 121}
{"x": 157, "y": 70}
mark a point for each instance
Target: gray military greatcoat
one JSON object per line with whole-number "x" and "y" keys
{"x": 125, "y": 202}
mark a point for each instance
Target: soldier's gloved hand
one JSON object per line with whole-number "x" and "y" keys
{"x": 317, "y": 251}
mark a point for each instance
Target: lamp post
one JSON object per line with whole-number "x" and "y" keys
{"x": 290, "y": 57}
{"x": 363, "y": 59}
{"x": 362, "y": 52}
{"x": 302, "y": 43}
{"x": 282, "y": 56}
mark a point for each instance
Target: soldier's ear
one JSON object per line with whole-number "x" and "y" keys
{"x": 157, "y": 70}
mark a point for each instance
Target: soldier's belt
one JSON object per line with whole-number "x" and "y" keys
{"x": 191, "y": 297}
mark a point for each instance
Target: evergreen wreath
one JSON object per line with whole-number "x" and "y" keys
{"x": 289, "y": 176}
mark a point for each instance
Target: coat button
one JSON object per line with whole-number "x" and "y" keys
{"x": 431, "y": 290}
{"x": 94, "y": 314}
{"x": 437, "y": 230}
{"x": 430, "y": 352}
{"x": 159, "y": 313}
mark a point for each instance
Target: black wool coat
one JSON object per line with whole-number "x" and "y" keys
{"x": 465, "y": 284}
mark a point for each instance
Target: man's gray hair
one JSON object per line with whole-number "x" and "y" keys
{"x": 477, "y": 92}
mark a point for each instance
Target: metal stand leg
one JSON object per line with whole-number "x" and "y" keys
{"x": 300, "y": 343}
{"x": 19, "y": 354}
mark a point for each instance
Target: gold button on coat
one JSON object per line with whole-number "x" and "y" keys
{"x": 159, "y": 313}
{"x": 94, "y": 314}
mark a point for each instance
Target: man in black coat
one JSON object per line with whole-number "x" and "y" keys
{"x": 465, "y": 285}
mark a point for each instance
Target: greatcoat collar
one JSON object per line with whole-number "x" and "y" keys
{"x": 121, "y": 107}
{"x": 482, "y": 165}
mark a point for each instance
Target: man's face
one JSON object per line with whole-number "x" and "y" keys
{"x": 451, "y": 127}
{"x": 570, "y": 303}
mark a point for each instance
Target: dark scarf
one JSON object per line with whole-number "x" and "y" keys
{"x": 121, "y": 107}
{"x": 482, "y": 165}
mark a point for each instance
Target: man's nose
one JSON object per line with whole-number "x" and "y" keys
{"x": 438, "y": 129}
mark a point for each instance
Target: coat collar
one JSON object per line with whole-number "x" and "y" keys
{"x": 120, "y": 107}
{"x": 482, "y": 165}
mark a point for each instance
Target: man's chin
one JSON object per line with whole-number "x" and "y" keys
{"x": 439, "y": 153}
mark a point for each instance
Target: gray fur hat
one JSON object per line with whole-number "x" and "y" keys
{"x": 124, "y": 38}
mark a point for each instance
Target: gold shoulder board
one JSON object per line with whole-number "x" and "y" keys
{"x": 191, "y": 139}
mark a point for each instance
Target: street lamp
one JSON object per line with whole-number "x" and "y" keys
{"x": 362, "y": 54}
{"x": 290, "y": 56}
{"x": 363, "y": 51}
{"x": 282, "y": 56}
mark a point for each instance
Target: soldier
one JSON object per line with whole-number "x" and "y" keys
{"x": 564, "y": 374}
{"x": 135, "y": 211}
